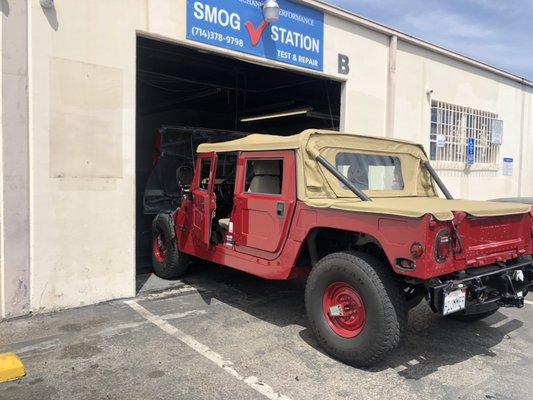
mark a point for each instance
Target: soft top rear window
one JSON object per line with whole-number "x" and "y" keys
{"x": 370, "y": 171}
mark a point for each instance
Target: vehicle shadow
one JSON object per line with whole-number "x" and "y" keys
{"x": 430, "y": 343}
{"x": 140, "y": 281}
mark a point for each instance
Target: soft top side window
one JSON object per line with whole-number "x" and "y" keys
{"x": 264, "y": 176}
{"x": 371, "y": 172}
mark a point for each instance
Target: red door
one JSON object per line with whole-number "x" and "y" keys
{"x": 264, "y": 202}
{"x": 204, "y": 202}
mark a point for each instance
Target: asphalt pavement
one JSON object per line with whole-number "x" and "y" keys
{"x": 221, "y": 334}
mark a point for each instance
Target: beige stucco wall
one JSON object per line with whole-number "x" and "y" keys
{"x": 82, "y": 74}
{"x": 2, "y": 299}
{"x": 365, "y": 91}
{"x": 82, "y": 130}
{"x": 454, "y": 82}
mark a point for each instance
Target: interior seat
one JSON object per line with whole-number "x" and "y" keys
{"x": 266, "y": 177}
{"x": 224, "y": 223}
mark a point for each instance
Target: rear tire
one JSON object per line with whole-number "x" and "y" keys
{"x": 167, "y": 261}
{"x": 362, "y": 337}
{"x": 460, "y": 316}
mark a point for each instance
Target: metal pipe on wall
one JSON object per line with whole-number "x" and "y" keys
{"x": 391, "y": 86}
{"x": 522, "y": 152}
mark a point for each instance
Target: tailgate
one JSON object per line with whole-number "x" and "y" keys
{"x": 491, "y": 239}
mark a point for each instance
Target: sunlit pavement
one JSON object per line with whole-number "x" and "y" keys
{"x": 221, "y": 334}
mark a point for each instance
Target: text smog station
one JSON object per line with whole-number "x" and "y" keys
{"x": 296, "y": 38}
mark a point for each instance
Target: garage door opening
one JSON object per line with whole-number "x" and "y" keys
{"x": 187, "y": 96}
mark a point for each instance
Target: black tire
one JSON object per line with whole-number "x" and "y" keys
{"x": 384, "y": 305}
{"x": 174, "y": 263}
{"x": 461, "y": 316}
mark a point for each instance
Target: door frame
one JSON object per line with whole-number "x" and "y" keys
{"x": 203, "y": 200}
{"x": 288, "y": 197}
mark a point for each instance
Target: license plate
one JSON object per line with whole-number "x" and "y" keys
{"x": 454, "y": 301}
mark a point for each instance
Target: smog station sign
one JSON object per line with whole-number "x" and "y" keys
{"x": 297, "y": 38}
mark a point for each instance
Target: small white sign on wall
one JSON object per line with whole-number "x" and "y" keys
{"x": 441, "y": 140}
{"x": 497, "y": 132}
{"x": 508, "y": 166}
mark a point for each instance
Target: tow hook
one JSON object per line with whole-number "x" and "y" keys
{"x": 514, "y": 298}
{"x": 502, "y": 284}
{"x": 518, "y": 275}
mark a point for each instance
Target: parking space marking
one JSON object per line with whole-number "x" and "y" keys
{"x": 205, "y": 351}
{"x": 528, "y": 302}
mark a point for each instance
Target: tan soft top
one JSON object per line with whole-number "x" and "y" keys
{"x": 261, "y": 142}
{"x": 319, "y": 188}
{"x": 416, "y": 207}
{"x": 253, "y": 142}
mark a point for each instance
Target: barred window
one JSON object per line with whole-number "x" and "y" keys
{"x": 453, "y": 126}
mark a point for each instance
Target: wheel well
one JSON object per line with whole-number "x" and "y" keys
{"x": 323, "y": 241}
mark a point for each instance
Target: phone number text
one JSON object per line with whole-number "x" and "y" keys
{"x": 219, "y": 37}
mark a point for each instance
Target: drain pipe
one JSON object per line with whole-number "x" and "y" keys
{"x": 522, "y": 138}
{"x": 391, "y": 86}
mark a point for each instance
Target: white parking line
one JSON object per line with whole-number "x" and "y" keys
{"x": 205, "y": 351}
{"x": 528, "y": 302}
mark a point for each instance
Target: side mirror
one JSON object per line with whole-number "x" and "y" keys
{"x": 184, "y": 175}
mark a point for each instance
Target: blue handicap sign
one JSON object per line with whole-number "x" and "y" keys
{"x": 470, "y": 151}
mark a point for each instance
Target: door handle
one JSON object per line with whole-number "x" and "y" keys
{"x": 280, "y": 210}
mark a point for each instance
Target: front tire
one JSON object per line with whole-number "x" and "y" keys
{"x": 167, "y": 261}
{"x": 373, "y": 308}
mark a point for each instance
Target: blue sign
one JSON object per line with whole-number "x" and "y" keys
{"x": 508, "y": 166}
{"x": 297, "y": 38}
{"x": 471, "y": 151}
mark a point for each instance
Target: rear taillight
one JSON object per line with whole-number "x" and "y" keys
{"x": 443, "y": 246}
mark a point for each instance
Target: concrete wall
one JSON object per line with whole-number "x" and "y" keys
{"x": 365, "y": 91}
{"x": 2, "y": 312}
{"x": 460, "y": 84}
{"x": 82, "y": 131}
{"x": 15, "y": 169}
{"x": 83, "y": 150}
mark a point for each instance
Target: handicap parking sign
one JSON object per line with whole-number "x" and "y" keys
{"x": 470, "y": 151}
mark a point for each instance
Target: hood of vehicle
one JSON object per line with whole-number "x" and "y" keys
{"x": 415, "y": 207}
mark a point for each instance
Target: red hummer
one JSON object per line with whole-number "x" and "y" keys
{"x": 362, "y": 219}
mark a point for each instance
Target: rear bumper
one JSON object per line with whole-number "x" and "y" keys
{"x": 497, "y": 285}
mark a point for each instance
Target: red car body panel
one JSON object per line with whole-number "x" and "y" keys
{"x": 258, "y": 229}
{"x": 204, "y": 202}
{"x": 268, "y": 244}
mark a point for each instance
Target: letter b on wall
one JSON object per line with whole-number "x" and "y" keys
{"x": 344, "y": 64}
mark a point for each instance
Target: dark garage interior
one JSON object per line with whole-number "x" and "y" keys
{"x": 196, "y": 96}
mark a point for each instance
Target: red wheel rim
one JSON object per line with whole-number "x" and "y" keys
{"x": 159, "y": 248}
{"x": 344, "y": 310}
